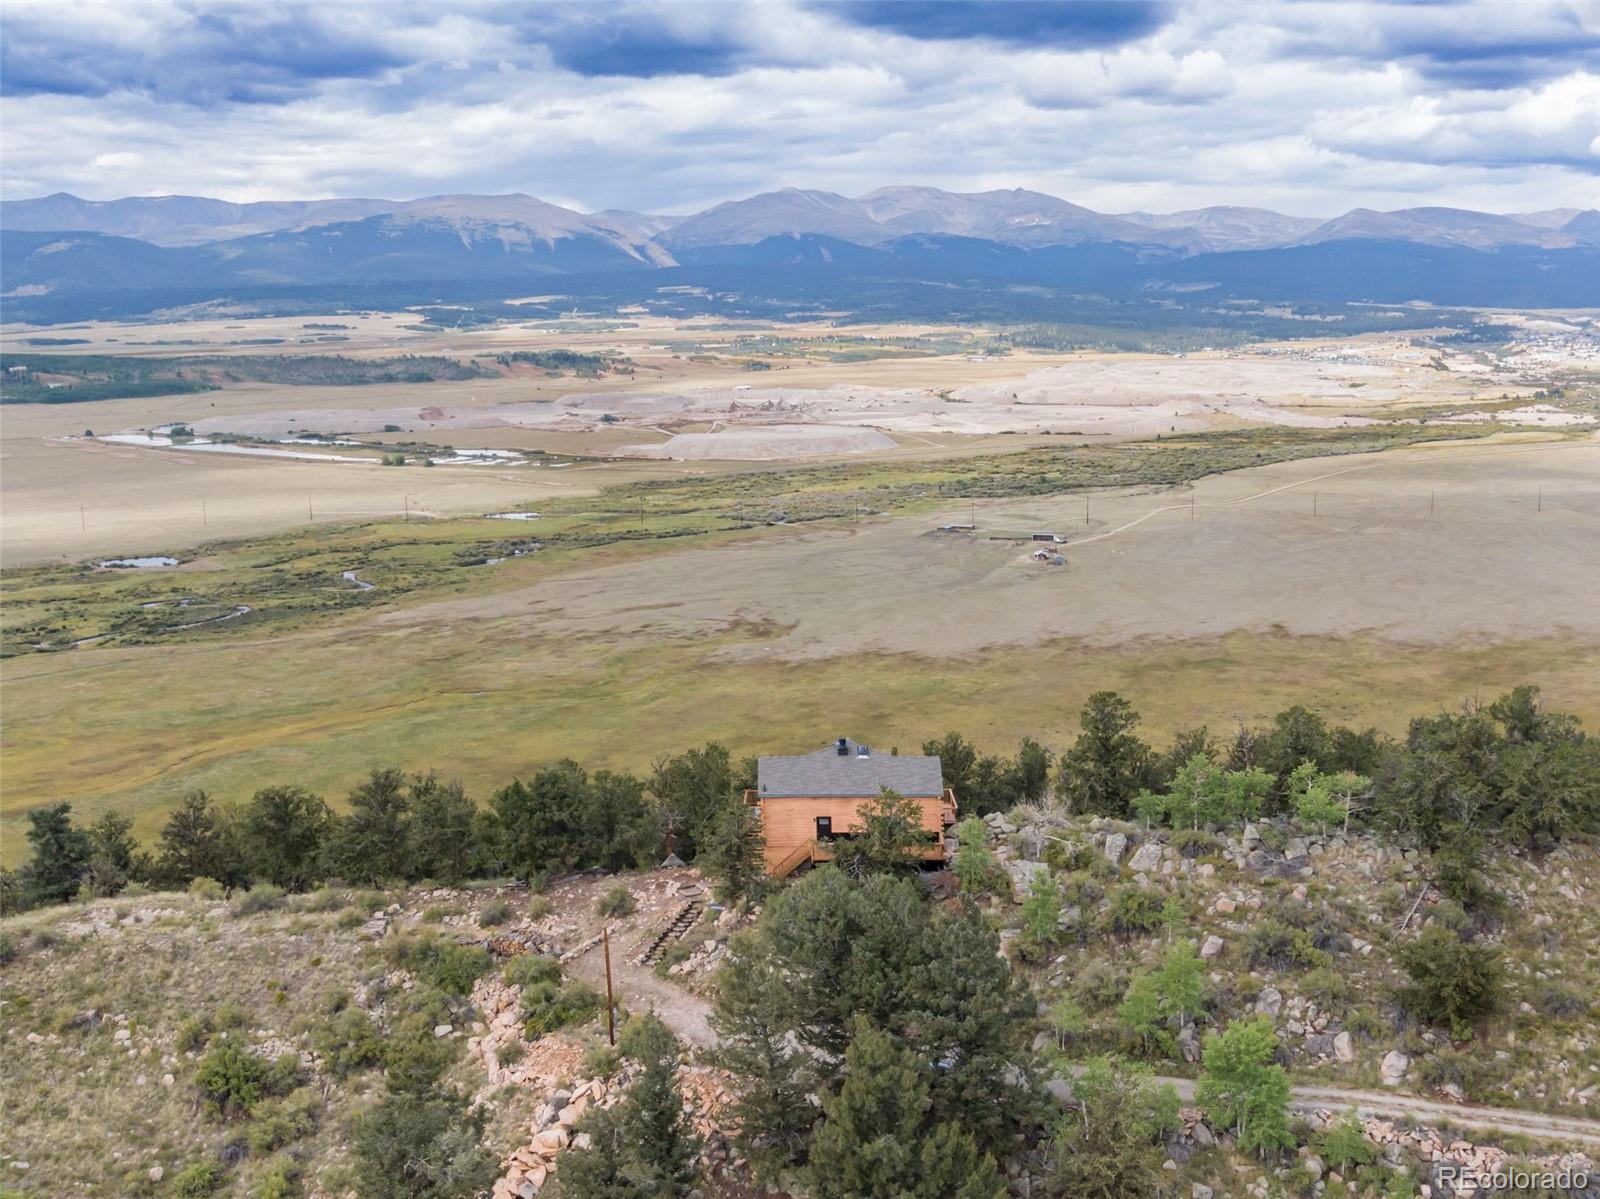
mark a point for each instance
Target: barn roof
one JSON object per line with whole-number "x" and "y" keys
{"x": 856, "y": 773}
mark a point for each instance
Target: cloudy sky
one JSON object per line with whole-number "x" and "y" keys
{"x": 1307, "y": 107}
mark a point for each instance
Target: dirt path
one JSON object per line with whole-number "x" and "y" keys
{"x": 638, "y": 989}
{"x": 1495, "y": 1119}
{"x": 687, "y": 1015}
{"x": 1390, "y": 1106}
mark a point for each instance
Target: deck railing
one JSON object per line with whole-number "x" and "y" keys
{"x": 794, "y": 859}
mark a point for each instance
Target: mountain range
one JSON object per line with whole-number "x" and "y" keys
{"x": 60, "y": 245}
{"x": 1016, "y": 217}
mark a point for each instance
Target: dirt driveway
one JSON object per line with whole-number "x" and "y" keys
{"x": 638, "y": 989}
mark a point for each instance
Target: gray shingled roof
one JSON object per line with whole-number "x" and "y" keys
{"x": 828, "y": 773}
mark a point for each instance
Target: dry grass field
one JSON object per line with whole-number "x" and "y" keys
{"x": 1372, "y": 586}
{"x": 1244, "y": 603}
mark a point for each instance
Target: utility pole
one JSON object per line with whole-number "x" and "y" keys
{"x": 1541, "y": 498}
{"x": 203, "y": 519}
{"x": 311, "y": 517}
{"x": 611, "y": 1005}
{"x": 407, "y": 500}
{"x": 1430, "y": 501}
{"x": 82, "y": 520}
{"x": 1313, "y": 503}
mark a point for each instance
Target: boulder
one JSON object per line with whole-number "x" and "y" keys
{"x": 1211, "y": 948}
{"x": 1116, "y": 845}
{"x": 1344, "y": 1048}
{"x": 1270, "y": 1001}
{"x": 1200, "y": 1191}
{"x": 1025, "y": 876}
{"x": 1189, "y": 1043}
{"x": 1393, "y": 1070}
{"x": 1268, "y": 865}
{"x": 1146, "y": 858}
{"x": 551, "y": 1141}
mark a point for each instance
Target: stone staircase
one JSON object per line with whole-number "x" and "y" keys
{"x": 682, "y": 921}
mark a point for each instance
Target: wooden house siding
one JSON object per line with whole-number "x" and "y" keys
{"x": 790, "y": 822}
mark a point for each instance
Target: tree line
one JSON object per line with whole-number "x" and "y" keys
{"x": 1510, "y": 770}
{"x": 406, "y": 827}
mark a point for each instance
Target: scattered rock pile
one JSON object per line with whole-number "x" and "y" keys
{"x": 542, "y": 1062}
{"x": 527, "y": 1169}
{"x": 1431, "y": 1146}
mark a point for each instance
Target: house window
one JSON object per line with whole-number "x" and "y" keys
{"x": 824, "y": 828}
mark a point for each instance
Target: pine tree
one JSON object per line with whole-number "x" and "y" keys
{"x": 423, "y": 1144}
{"x": 734, "y": 856}
{"x": 114, "y": 856}
{"x": 282, "y": 831}
{"x": 622, "y": 827}
{"x": 444, "y": 830}
{"x": 828, "y": 950}
{"x": 60, "y": 854}
{"x": 951, "y": 1167}
{"x": 372, "y": 843}
{"x": 600, "y": 1170}
{"x": 664, "y": 1143}
{"x": 1453, "y": 982}
{"x": 690, "y": 790}
{"x": 541, "y": 820}
{"x": 645, "y": 1147}
{"x": 868, "y": 1145}
{"x": 753, "y": 1018}
{"x": 891, "y": 832}
{"x": 1108, "y": 764}
{"x": 111, "y": 839}
{"x": 195, "y": 843}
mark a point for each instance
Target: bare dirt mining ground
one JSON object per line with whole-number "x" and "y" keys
{"x": 1433, "y": 545}
{"x": 685, "y": 405}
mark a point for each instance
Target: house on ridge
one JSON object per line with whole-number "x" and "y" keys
{"x": 807, "y": 803}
